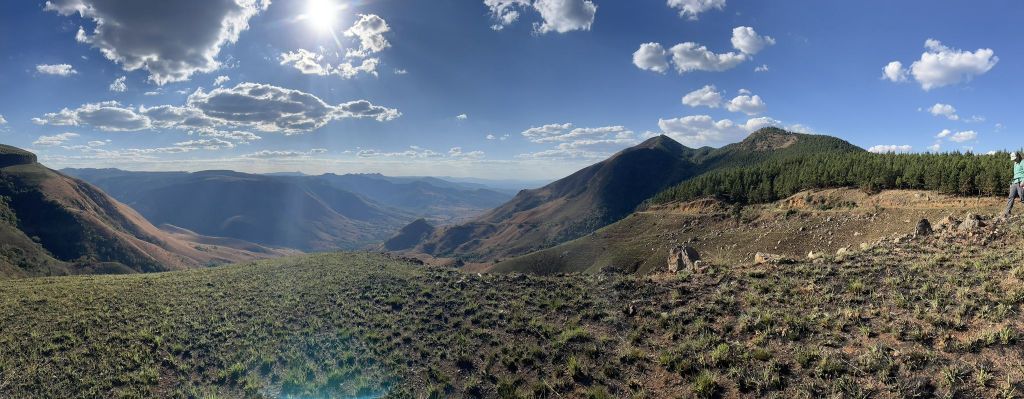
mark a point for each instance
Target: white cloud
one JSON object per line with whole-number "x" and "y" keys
{"x": 237, "y": 136}
{"x": 57, "y": 139}
{"x": 495, "y": 137}
{"x": 707, "y": 96}
{"x": 691, "y": 9}
{"x": 462, "y": 117}
{"x": 311, "y": 63}
{"x": 964, "y": 136}
{"x": 119, "y": 84}
{"x": 578, "y": 142}
{"x": 171, "y": 39}
{"x": 761, "y": 68}
{"x": 221, "y": 80}
{"x": 56, "y": 69}
{"x": 107, "y": 115}
{"x": 935, "y": 147}
{"x": 651, "y": 57}
{"x": 456, "y": 152}
{"x": 247, "y": 105}
{"x": 885, "y": 149}
{"x": 3, "y": 121}
{"x": 370, "y": 30}
{"x": 944, "y": 110}
{"x": 944, "y": 133}
{"x": 747, "y": 104}
{"x": 894, "y": 71}
{"x": 269, "y": 154}
{"x": 690, "y": 56}
{"x": 942, "y": 66}
{"x": 401, "y": 72}
{"x": 703, "y": 130}
{"x": 745, "y": 39}
{"x": 559, "y": 16}
{"x": 275, "y": 109}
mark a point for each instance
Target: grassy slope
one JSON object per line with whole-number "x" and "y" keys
{"x": 819, "y": 220}
{"x": 900, "y": 321}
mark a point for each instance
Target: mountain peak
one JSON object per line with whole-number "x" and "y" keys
{"x": 10, "y": 156}
{"x": 770, "y": 138}
{"x": 661, "y": 142}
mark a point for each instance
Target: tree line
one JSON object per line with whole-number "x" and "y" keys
{"x": 955, "y": 173}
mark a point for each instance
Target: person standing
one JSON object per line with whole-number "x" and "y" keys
{"x": 1016, "y": 191}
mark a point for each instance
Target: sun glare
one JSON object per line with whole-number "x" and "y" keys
{"x": 322, "y": 14}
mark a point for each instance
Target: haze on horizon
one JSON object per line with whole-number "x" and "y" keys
{"x": 501, "y": 89}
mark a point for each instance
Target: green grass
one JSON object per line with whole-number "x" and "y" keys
{"x": 889, "y": 323}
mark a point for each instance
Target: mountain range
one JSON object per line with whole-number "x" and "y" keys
{"x": 51, "y": 223}
{"x": 607, "y": 191}
{"x": 310, "y": 213}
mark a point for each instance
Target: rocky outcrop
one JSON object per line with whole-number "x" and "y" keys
{"x": 924, "y": 228}
{"x": 683, "y": 257}
{"x": 764, "y": 258}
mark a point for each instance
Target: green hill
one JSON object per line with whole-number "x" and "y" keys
{"x": 924, "y": 318}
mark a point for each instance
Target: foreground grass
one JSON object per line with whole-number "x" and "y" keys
{"x": 915, "y": 320}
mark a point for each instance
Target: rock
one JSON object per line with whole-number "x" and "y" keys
{"x": 813, "y": 255}
{"x": 762, "y": 258}
{"x": 843, "y": 252}
{"x": 924, "y": 228}
{"x": 682, "y": 257}
{"x": 948, "y": 222}
{"x": 971, "y": 222}
{"x": 865, "y": 246}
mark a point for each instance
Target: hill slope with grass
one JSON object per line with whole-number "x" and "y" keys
{"x": 54, "y": 224}
{"x": 608, "y": 191}
{"x": 920, "y": 318}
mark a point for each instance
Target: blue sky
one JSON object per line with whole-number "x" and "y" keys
{"x": 529, "y": 89}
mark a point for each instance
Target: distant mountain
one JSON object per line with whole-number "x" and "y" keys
{"x": 306, "y": 212}
{"x": 409, "y": 236}
{"x": 54, "y": 224}
{"x": 608, "y": 191}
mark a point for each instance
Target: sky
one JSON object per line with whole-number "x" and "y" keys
{"x": 501, "y": 89}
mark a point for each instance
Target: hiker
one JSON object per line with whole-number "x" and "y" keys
{"x": 1015, "y": 186}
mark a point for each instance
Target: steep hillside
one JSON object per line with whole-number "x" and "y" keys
{"x": 54, "y": 224}
{"x": 820, "y": 221}
{"x": 409, "y": 236}
{"x": 608, "y": 191}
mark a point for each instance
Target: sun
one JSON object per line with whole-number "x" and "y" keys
{"x": 322, "y": 14}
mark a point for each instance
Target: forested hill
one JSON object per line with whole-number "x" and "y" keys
{"x": 773, "y": 179}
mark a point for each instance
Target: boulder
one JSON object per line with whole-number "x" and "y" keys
{"x": 948, "y": 223}
{"x": 813, "y": 255}
{"x": 924, "y": 228}
{"x": 764, "y": 258}
{"x": 681, "y": 257}
{"x": 843, "y": 252}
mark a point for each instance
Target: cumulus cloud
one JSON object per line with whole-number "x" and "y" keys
{"x": 964, "y": 136}
{"x": 462, "y": 117}
{"x": 690, "y": 56}
{"x": 894, "y": 72}
{"x": 691, "y": 9}
{"x": 54, "y": 140}
{"x": 761, "y": 68}
{"x": 746, "y": 40}
{"x": 247, "y": 105}
{"x": 707, "y": 96}
{"x": 703, "y": 130}
{"x": 107, "y": 115}
{"x": 458, "y": 153}
{"x": 747, "y": 104}
{"x": 559, "y": 16}
{"x": 56, "y": 69}
{"x": 496, "y": 137}
{"x": 311, "y": 63}
{"x": 942, "y": 66}
{"x": 944, "y": 133}
{"x": 944, "y": 110}
{"x": 119, "y": 84}
{"x": 651, "y": 57}
{"x": 886, "y": 149}
{"x": 370, "y": 30}
{"x": 3, "y": 121}
{"x": 171, "y": 39}
{"x": 221, "y": 80}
